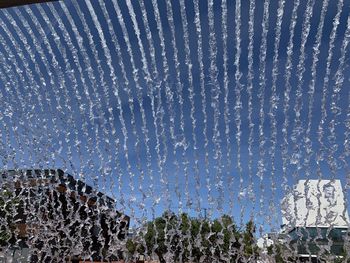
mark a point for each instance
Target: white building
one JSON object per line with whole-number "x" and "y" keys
{"x": 315, "y": 219}
{"x": 315, "y": 203}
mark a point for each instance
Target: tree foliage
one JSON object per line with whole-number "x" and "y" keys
{"x": 180, "y": 238}
{"x": 8, "y": 203}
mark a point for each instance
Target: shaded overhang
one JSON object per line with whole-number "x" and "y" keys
{"x": 11, "y": 3}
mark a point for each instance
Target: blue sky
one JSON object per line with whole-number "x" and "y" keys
{"x": 62, "y": 76}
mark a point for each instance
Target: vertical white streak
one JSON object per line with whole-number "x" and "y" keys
{"x": 215, "y": 102}
{"x": 250, "y": 77}
{"x": 286, "y": 106}
{"x": 238, "y": 104}
{"x": 273, "y": 107}
{"x": 227, "y": 116}
{"x": 193, "y": 120}
{"x": 261, "y": 96}
{"x": 203, "y": 96}
{"x": 191, "y": 96}
{"x": 298, "y": 129}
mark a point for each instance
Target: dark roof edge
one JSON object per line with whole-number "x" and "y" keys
{"x": 66, "y": 176}
{"x": 13, "y": 3}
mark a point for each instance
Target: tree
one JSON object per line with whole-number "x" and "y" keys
{"x": 179, "y": 238}
{"x": 8, "y": 205}
{"x": 282, "y": 253}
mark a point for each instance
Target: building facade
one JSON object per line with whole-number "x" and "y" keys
{"x": 54, "y": 215}
{"x": 315, "y": 219}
